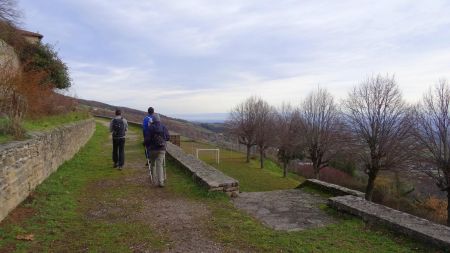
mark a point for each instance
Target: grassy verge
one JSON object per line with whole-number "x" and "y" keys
{"x": 240, "y": 231}
{"x": 56, "y": 211}
{"x": 44, "y": 123}
{"x": 58, "y": 214}
{"x": 50, "y": 122}
{"x": 251, "y": 177}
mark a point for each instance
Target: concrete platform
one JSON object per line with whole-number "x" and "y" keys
{"x": 286, "y": 210}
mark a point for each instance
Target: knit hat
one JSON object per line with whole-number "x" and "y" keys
{"x": 156, "y": 118}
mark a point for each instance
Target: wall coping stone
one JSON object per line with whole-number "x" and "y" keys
{"x": 209, "y": 176}
{"x": 332, "y": 188}
{"x": 36, "y": 134}
{"x": 400, "y": 222}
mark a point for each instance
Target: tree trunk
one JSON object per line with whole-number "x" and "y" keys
{"x": 284, "y": 169}
{"x": 316, "y": 171}
{"x": 248, "y": 153}
{"x": 370, "y": 186}
{"x": 261, "y": 155}
{"x": 448, "y": 207}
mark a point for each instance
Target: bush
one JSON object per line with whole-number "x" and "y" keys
{"x": 42, "y": 58}
{"x": 344, "y": 164}
{"x": 29, "y": 89}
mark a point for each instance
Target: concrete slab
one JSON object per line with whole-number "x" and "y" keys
{"x": 287, "y": 210}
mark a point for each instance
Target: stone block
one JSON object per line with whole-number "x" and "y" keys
{"x": 334, "y": 189}
{"x": 400, "y": 222}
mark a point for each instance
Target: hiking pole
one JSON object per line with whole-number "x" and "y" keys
{"x": 149, "y": 165}
{"x": 164, "y": 168}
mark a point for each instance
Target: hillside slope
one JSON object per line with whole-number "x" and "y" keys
{"x": 189, "y": 129}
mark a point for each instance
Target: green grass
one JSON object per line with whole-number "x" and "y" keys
{"x": 250, "y": 176}
{"x": 49, "y": 122}
{"x": 43, "y": 123}
{"x": 238, "y": 230}
{"x": 59, "y": 223}
{"x": 4, "y": 137}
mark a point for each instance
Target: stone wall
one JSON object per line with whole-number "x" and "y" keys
{"x": 399, "y": 222}
{"x": 204, "y": 173}
{"x": 26, "y": 164}
{"x": 333, "y": 189}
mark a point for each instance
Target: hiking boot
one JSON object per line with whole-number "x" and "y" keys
{"x": 115, "y": 165}
{"x": 119, "y": 167}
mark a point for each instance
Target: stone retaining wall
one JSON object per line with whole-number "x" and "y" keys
{"x": 400, "y": 222}
{"x": 26, "y": 164}
{"x": 334, "y": 189}
{"x": 204, "y": 173}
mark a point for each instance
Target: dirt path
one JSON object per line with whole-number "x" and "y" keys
{"x": 180, "y": 221}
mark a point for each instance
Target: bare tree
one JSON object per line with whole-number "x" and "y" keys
{"x": 242, "y": 123}
{"x": 287, "y": 133}
{"x": 9, "y": 12}
{"x": 432, "y": 132}
{"x": 265, "y": 135}
{"x": 319, "y": 121}
{"x": 379, "y": 121}
{"x": 12, "y": 102}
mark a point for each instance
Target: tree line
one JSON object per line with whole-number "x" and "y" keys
{"x": 373, "y": 125}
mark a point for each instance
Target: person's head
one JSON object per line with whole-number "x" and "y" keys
{"x": 118, "y": 112}
{"x": 156, "y": 118}
{"x": 150, "y": 110}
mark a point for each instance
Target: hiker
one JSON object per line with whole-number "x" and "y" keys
{"x": 118, "y": 128}
{"x": 148, "y": 120}
{"x": 155, "y": 141}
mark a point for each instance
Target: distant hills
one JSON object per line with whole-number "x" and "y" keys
{"x": 198, "y": 131}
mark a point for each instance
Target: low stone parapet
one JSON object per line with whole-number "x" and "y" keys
{"x": 334, "y": 189}
{"x": 204, "y": 173}
{"x": 400, "y": 222}
{"x": 26, "y": 164}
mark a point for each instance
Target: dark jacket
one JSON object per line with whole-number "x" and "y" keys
{"x": 156, "y": 128}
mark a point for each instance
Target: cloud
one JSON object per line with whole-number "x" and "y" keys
{"x": 205, "y": 56}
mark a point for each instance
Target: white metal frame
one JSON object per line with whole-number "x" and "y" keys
{"x": 209, "y": 149}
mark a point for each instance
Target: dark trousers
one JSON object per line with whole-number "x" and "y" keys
{"x": 118, "y": 151}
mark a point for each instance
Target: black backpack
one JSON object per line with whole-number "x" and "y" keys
{"x": 118, "y": 128}
{"x": 158, "y": 138}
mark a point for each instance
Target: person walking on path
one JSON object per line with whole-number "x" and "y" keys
{"x": 118, "y": 127}
{"x": 148, "y": 120}
{"x": 155, "y": 139}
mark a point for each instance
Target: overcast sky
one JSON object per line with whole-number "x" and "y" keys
{"x": 194, "y": 56}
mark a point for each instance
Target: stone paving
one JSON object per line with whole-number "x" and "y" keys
{"x": 287, "y": 210}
